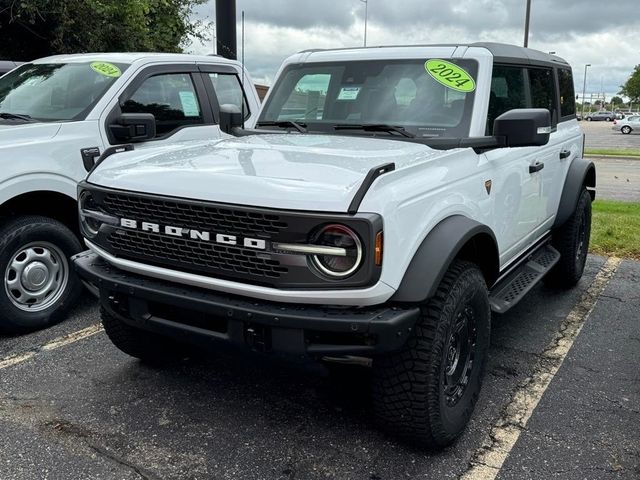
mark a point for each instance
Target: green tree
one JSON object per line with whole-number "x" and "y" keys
{"x": 36, "y": 28}
{"x": 616, "y": 101}
{"x": 631, "y": 88}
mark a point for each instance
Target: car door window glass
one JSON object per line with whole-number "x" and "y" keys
{"x": 172, "y": 100}
{"x": 229, "y": 91}
{"x": 567, "y": 93}
{"x": 543, "y": 90}
{"x": 507, "y": 92}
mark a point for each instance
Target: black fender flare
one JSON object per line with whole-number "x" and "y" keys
{"x": 455, "y": 236}
{"x": 582, "y": 173}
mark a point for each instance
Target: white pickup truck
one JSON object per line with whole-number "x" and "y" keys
{"x": 57, "y": 116}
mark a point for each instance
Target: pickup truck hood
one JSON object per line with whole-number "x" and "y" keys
{"x": 21, "y": 133}
{"x": 287, "y": 171}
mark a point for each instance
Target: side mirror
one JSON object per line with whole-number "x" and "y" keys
{"x": 230, "y": 117}
{"x": 524, "y": 127}
{"x": 134, "y": 127}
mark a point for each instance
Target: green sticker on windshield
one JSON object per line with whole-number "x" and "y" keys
{"x": 106, "y": 69}
{"x": 450, "y": 75}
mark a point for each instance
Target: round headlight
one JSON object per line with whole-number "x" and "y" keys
{"x": 346, "y": 259}
{"x": 86, "y": 204}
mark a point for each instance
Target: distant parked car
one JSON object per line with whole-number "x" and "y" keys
{"x": 7, "y": 66}
{"x": 628, "y": 125}
{"x": 600, "y": 116}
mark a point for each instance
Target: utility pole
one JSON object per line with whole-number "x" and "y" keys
{"x": 584, "y": 87}
{"x": 526, "y": 24}
{"x": 366, "y": 15}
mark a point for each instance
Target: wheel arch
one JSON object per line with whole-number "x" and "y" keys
{"x": 52, "y": 204}
{"x": 581, "y": 174}
{"x": 455, "y": 237}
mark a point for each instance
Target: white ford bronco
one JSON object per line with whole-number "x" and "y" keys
{"x": 387, "y": 202}
{"x": 57, "y": 116}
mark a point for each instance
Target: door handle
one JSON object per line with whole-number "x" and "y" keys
{"x": 565, "y": 154}
{"x": 536, "y": 168}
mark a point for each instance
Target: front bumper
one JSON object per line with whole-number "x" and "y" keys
{"x": 203, "y": 316}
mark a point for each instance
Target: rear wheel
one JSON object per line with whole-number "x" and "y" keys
{"x": 589, "y": 119}
{"x": 426, "y": 393}
{"x": 626, "y": 130}
{"x": 608, "y": 119}
{"x": 572, "y": 241}
{"x": 39, "y": 285}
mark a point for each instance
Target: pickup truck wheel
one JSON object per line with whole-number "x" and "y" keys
{"x": 147, "y": 346}
{"x": 39, "y": 285}
{"x": 572, "y": 241}
{"x": 426, "y": 393}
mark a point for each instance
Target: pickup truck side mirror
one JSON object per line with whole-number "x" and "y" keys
{"x": 523, "y": 127}
{"x": 134, "y": 127}
{"x": 230, "y": 117}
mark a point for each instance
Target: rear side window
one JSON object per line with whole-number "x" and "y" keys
{"x": 172, "y": 100}
{"x": 543, "y": 91}
{"x": 567, "y": 93}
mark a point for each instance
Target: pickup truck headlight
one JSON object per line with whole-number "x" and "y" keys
{"x": 91, "y": 215}
{"x": 344, "y": 253}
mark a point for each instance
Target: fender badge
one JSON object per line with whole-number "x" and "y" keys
{"x": 487, "y": 186}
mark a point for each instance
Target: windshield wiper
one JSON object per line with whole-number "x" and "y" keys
{"x": 15, "y": 116}
{"x": 300, "y": 127}
{"x": 375, "y": 127}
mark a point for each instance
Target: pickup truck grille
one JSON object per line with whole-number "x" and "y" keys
{"x": 189, "y": 254}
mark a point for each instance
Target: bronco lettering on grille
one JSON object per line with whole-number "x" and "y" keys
{"x": 221, "y": 238}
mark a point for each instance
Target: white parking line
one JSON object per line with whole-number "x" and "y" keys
{"x": 488, "y": 460}
{"x": 52, "y": 345}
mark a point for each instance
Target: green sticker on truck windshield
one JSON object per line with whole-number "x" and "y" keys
{"x": 450, "y": 75}
{"x": 106, "y": 69}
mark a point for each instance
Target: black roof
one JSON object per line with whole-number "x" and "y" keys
{"x": 502, "y": 52}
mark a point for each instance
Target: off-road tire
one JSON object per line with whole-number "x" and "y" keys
{"x": 409, "y": 393}
{"x": 34, "y": 231}
{"x": 572, "y": 241}
{"x": 147, "y": 346}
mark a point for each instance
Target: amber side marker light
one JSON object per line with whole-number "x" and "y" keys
{"x": 378, "y": 249}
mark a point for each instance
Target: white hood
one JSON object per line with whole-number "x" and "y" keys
{"x": 288, "y": 171}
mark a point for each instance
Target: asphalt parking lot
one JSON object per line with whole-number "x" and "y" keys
{"x": 561, "y": 399}
{"x": 601, "y": 135}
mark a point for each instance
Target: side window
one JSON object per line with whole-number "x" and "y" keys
{"x": 229, "y": 91}
{"x": 543, "y": 91}
{"x": 171, "y": 98}
{"x": 567, "y": 93}
{"x": 507, "y": 92}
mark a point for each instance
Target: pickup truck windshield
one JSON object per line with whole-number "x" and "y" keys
{"x": 56, "y": 91}
{"x": 331, "y": 97}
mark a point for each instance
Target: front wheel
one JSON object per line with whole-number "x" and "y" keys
{"x": 572, "y": 241}
{"x": 626, "y": 130}
{"x": 589, "y": 119}
{"x": 39, "y": 285}
{"x": 426, "y": 393}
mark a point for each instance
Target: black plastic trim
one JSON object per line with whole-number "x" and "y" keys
{"x": 111, "y": 151}
{"x": 439, "y": 248}
{"x": 371, "y": 177}
{"x": 574, "y": 182}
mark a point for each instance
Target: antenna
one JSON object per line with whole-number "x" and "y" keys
{"x": 243, "y": 94}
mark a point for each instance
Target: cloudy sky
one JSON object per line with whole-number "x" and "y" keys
{"x": 605, "y": 34}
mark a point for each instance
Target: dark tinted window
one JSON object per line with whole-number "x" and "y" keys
{"x": 543, "y": 90}
{"x": 567, "y": 93}
{"x": 507, "y": 92}
{"x": 171, "y": 98}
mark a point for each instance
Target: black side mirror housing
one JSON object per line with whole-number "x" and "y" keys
{"x": 523, "y": 127}
{"x": 134, "y": 127}
{"x": 230, "y": 118}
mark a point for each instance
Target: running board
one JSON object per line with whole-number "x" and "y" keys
{"x": 517, "y": 284}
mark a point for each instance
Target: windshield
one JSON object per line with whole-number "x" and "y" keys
{"x": 405, "y": 93}
{"x": 56, "y": 91}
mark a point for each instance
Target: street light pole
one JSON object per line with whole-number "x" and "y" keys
{"x": 526, "y": 24}
{"x": 366, "y": 15}
{"x": 584, "y": 87}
